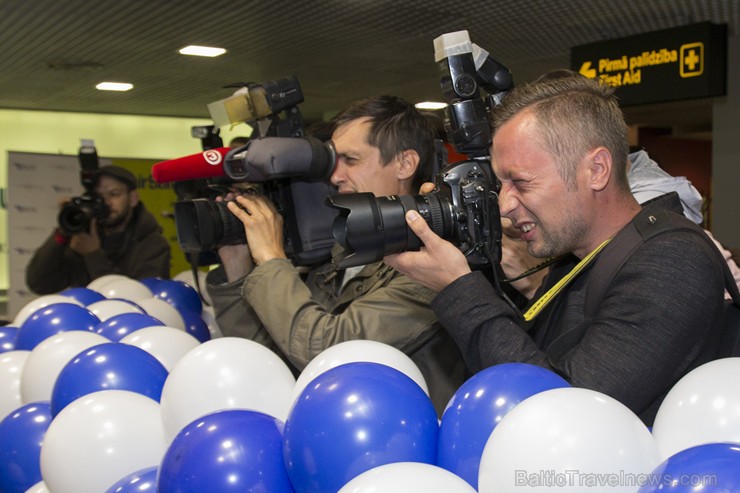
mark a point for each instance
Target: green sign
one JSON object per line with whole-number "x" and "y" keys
{"x": 673, "y": 64}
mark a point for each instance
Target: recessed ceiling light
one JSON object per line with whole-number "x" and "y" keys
{"x": 202, "y": 51}
{"x": 430, "y": 105}
{"x": 114, "y": 86}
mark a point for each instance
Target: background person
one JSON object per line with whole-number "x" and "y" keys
{"x": 128, "y": 241}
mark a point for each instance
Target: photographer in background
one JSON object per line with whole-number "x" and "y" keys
{"x": 128, "y": 241}
{"x": 560, "y": 151}
{"x": 385, "y": 146}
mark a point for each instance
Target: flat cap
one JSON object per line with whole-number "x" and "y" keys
{"x": 121, "y": 174}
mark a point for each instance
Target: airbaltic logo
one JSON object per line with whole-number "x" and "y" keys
{"x": 212, "y": 157}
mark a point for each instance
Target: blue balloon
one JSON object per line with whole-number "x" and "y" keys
{"x": 178, "y": 294}
{"x": 119, "y": 326}
{"x": 108, "y": 366}
{"x": 21, "y": 435}
{"x": 86, "y": 296}
{"x": 477, "y": 407}
{"x": 151, "y": 283}
{"x": 355, "y": 417}
{"x": 195, "y": 325}
{"x": 136, "y": 482}
{"x": 709, "y": 468}
{"x": 227, "y": 451}
{"x": 8, "y": 335}
{"x": 53, "y": 319}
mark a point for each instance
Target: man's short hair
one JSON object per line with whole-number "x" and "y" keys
{"x": 117, "y": 173}
{"x": 574, "y": 114}
{"x": 395, "y": 126}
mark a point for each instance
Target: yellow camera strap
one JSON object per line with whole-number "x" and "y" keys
{"x": 545, "y": 299}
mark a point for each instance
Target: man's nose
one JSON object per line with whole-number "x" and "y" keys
{"x": 506, "y": 201}
{"x": 337, "y": 176}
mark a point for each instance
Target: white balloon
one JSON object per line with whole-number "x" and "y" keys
{"x": 407, "y": 477}
{"x": 225, "y": 373}
{"x": 126, "y": 289}
{"x": 39, "y": 487}
{"x": 359, "y": 351}
{"x": 48, "y": 358}
{"x": 97, "y": 284}
{"x": 186, "y": 276}
{"x": 568, "y": 439}
{"x": 98, "y": 439}
{"x": 11, "y": 369}
{"x": 209, "y": 317}
{"x": 40, "y": 302}
{"x": 162, "y": 311}
{"x": 702, "y": 407}
{"x": 167, "y": 344}
{"x": 106, "y": 309}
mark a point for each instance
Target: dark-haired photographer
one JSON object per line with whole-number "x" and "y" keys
{"x": 108, "y": 231}
{"x": 384, "y": 146}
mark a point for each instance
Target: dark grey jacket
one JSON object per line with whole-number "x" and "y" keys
{"x": 656, "y": 322}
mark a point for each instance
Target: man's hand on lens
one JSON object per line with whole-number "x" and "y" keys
{"x": 236, "y": 259}
{"x": 436, "y": 265}
{"x": 263, "y": 226}
{"x": 86, "y": 242}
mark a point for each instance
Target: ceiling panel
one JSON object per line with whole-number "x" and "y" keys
{"x": 53, "y": 53}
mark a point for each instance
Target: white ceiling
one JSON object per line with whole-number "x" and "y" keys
{"x": 54, "y": 52}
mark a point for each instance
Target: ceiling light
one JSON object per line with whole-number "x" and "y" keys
{"x": 202, "y": 51}
{"x": 114, "y": 86}
{"x": 430, "y": 105}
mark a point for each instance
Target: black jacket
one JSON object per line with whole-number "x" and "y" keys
{"x": 653, "y": 325}
{"x": 140, "y": 252}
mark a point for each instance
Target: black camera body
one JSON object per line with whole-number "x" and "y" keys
{"x": 289, "y": 169}
{"x": 76, "y": 215}
{"x": 463, "y": 207}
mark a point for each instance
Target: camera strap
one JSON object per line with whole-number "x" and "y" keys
{"x": 551, "y": 293}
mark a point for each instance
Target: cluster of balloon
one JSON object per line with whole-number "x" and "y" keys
{"x": 65, "y": 352}
{"x": 114, "y": 398}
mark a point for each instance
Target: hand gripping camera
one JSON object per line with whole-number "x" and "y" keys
{"x": 463, "y": 208}
{"x": 76, "y": 215}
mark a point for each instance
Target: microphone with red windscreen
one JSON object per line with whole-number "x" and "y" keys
{"x": 206, "y": 164}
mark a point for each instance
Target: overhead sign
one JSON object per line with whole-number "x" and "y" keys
{"x": 681, "y": 63}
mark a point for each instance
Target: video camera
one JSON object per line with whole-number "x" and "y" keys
{"x": 76, "y": 215}
{"x": 463, "y": 207}
{"x": 290, "y": 169}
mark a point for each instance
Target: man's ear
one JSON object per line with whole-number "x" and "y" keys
{"x": 408, "y": 163}
{"x": 600, "y": 168}
{"x": 133, "y": 198}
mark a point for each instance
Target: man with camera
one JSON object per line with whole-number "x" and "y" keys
{"x": 560, "y": 152}
{"x": 384, "y": 146}
{"x": 122, "y": 237}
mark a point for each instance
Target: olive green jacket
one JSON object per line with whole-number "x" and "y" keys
{"x": 276, "y": 307}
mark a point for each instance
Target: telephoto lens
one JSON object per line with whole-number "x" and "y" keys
{"x": 369, "y": 227}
